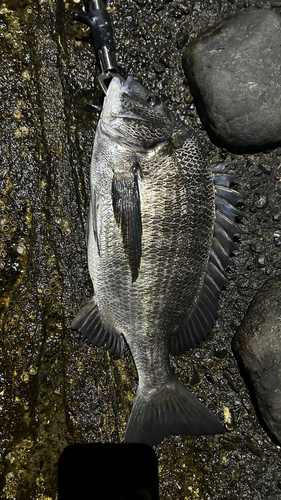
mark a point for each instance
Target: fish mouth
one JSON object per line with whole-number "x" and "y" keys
{"x": 122, "y": 84}
{"x": 128, "y": 142}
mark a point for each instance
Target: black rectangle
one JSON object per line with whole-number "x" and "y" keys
{"x": 107, "y": 471}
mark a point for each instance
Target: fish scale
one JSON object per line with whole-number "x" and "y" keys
{"x": 160, "y": 233}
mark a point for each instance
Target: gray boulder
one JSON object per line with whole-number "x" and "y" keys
{"x": 258, "y": 345}
{"x": 234, "y": 76}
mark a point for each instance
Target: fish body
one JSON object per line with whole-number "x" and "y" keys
{"x": 156, "y": 254}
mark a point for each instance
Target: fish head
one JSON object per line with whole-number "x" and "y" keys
{"x": 135, "y": 117}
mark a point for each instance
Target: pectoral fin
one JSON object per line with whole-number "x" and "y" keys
{"x": 127, "y": 212}
{"x": 92, "y": 222}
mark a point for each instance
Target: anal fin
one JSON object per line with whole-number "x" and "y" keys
{"x": 89, "y": 324}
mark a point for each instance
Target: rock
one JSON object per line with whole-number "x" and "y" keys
{"x": 234, "y": 76}
{"x": 257, "y": 344}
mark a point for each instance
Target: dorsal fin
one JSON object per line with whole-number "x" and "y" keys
{"x": 197, "y": 326}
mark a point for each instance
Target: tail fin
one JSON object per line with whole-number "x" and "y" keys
{"x": 170, "y": 410}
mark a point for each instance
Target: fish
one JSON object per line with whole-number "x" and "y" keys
{"x": 159, "y": 237}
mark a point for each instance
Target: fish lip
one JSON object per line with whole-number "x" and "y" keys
{"x": 117, "y": 80}
{"x": 123, "y": 86}
{"x": 126, "y": 85}
{"x": 135, "y": 146}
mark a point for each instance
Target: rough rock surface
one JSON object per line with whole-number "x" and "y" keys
{"x": 258, "y": 345}
{"x": 234, "y": 75}
{"x": 54, "y": 389}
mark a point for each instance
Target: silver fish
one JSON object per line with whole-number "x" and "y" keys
{"x": 160, "y": 233}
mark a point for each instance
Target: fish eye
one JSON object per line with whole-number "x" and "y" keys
{"x": 153, "y": 100}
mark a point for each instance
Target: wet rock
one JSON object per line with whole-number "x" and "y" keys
{"x": 258, "y": 345}
{"x": 234, "y": 75}
{"x": 54, "y": 390}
